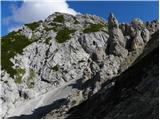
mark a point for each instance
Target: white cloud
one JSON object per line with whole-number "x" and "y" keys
{"x": 38, "y": 10}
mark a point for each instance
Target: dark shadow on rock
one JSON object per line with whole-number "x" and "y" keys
{"x": 77, "y": 85}
{"x": 91, "y": 82}
{"x": 42, "y": 111}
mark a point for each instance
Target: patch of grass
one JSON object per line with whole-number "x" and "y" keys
{"x": 59, "y": 19}
{"x": 31, "y": 75}
{"x": 19, "y": 75}
{"x": 33, "y": 25}
{"x": 18, "y": 79}
{"x": 55, "y": 68}
{"x": 31, "y": 85}
{"x": 12, "y": 44}
{"x": 93, "y": 28}
{"x": 105, "y": 28}
{"x": 64, "y": 35}
{"x": 31, "y": 82}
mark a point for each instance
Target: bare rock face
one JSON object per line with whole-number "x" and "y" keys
{"x": 94, "y": 44}
{"x": 131, "y": 95}
{"x": 65, "y": 60}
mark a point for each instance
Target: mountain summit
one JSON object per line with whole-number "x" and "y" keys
{"x": 52, "y": 68}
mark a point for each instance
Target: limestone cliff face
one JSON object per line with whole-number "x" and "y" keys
{"x": 68, "y": 59}
{"x": 134, "y": 94}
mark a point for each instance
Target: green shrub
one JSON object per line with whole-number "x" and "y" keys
{"x": 55, "y": 68}
{"x": 47, "y": 40}
{"x": 12, "y": 44}
{"x": 53, "y": 27}
{"x": 105, "y": 28}
{"x": 54, "y": 24}
{"x": 33, "y": 25}
{"x": 48, "y": 29}
{"x": 76, "y": 22}
{"x": 64, "y": 35}
{"x": 59, "y": 19}
{"x": 31, "y": 74}
{"x": 93, "y": 28}
{"x": 19, "y": 75}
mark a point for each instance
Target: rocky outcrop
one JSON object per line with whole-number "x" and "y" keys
{"x": 116, "y": 42}
{"x": 65, "y": 60}
{"x": 132, "y": 95}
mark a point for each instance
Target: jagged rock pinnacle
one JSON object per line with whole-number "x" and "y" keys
{"x": 116, "y": 39}
{"x": 112, "y": 21}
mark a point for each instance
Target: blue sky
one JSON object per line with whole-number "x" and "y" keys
{"x": 15, "y": 14}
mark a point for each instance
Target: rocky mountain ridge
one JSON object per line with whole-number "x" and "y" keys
{"x": 66, "y": 58}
